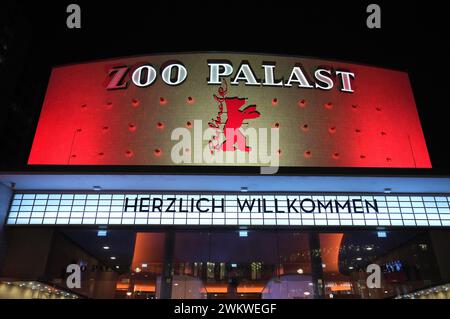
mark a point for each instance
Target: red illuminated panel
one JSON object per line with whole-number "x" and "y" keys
{"x": 84, "y": 123}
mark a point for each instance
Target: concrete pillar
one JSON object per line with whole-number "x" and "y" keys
{"x": 5, "y": 200}
{"x": 316, "y": 265}
{"x": 166, "y": 282}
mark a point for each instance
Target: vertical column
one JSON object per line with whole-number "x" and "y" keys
{"x": 166, "y": 281}
{"x": 5, "y": 199}
{"x": 316, "y": 265}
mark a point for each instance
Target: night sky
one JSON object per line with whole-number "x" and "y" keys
{"x": 34, "y": 38}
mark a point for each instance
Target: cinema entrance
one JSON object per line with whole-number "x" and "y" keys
{"x": 209, "y": 264}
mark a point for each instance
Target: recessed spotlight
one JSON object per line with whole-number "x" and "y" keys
{"x": 102, "y": 233}
{"x": 112, "y": 258}
{"x": 351, "y": 268}
{"x": 306, "y": 293}
{"x": 105, "y": 247}
{"x": 359, "y": 258}
{"x": 129, "y": 293}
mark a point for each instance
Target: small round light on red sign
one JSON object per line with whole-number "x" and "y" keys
{"x": 357, "y": 130}
{"x": 135, "y": 102}
{"x": 328, "y": 105}
{"x": 302, "y": 103}
{"x": 336, "y": 155}
{"x": 101, "y": 153}
{"x": 332, "y": 129}
{"x": 105, "y": 128}
{"x": 109, "y": 104}
{"x": 383, "y": 133}
{"x": 157, "y": 152}
{"x": 190, "y": 100}
{"x": 128, "y": 153}
{"x": 274, "y": 101}
{"x": 305, "y": 127}
{"x": 132, "y": 127}
{"x": 160, "y": 125}
{"x": 308, "y": 154}
{"x": 362, "y": 156}
{"x": 162, "y": 101}
{"x": 378, "y": 109}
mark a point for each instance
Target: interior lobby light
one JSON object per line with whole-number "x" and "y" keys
{"x": 112, "y": 258}
{"x": 105, "y": 247}
{"x": 381, "y": 234}
{"x": 102, "y": 233}
{"x": 243, "y": 233}
{"x": 299, "y": 271}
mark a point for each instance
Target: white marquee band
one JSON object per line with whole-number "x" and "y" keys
{"x": 229, "y": 209}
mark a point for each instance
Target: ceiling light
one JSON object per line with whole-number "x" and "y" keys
{"x": 102, "y": 233}
{"x": 112, "y": 258}
{"x": 105, "y": 247}
{"x": 243, "y": 233}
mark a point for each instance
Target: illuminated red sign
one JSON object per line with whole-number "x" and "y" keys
{"x": 211, "y": 108}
